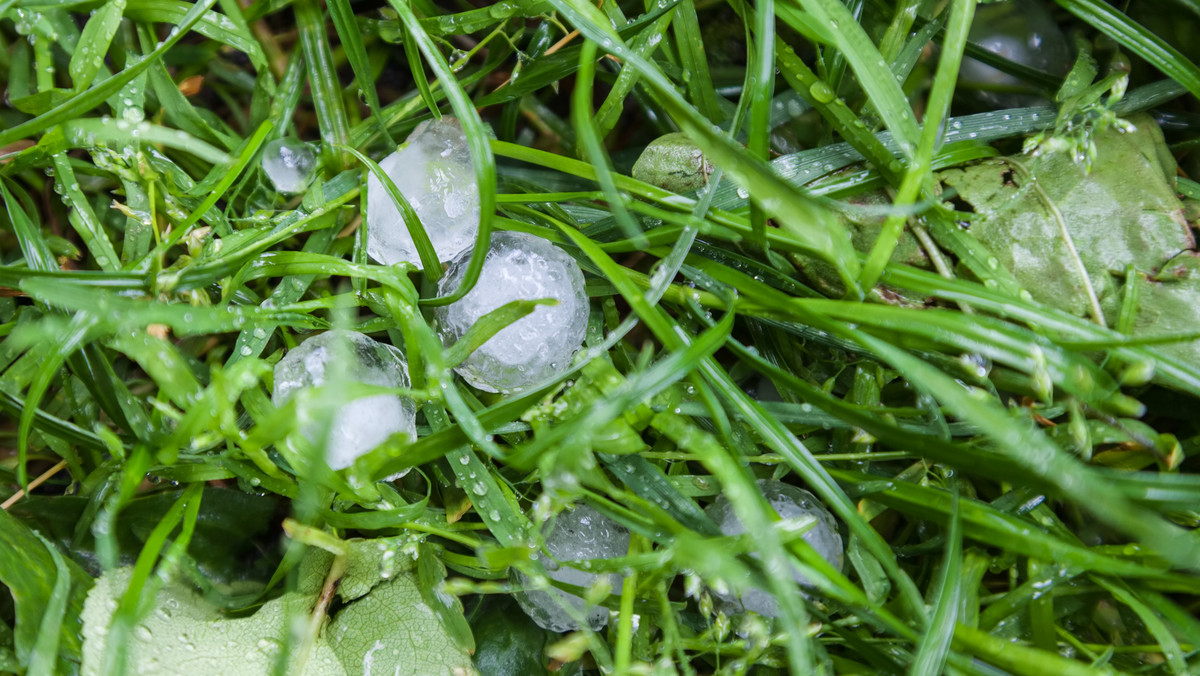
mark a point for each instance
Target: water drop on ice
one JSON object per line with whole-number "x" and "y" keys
{"x": 358, "y": 425}
{"x": 435, "y": 174}
{"x": 534, "y": 348}
{"x": 792, "y": 504}
{"x": 579, "y": 534}
{"x": 289, "y": 164}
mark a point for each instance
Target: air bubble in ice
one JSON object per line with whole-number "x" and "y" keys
{"x": 538, "y": 346}
{"x": 435, "y": 174}
{"x": 358, "y": 425}
{"x": 576, "y": 535}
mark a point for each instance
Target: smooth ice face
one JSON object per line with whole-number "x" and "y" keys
{"x": 582, "y": 533}
{"x": 289, "y": 164}
{"x": 536, "y": 347}
{"x": 792, "y": 504}
{"x": 361, "y": 424}
{"x": 1024, "y": 32}
{"x": 434, "y": 173}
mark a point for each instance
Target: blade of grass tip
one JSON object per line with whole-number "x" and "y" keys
{"x": 94, "y": 43}
{"x": 646, "y": 42}
{"x": 425, "y": 251}
{"x": 1152, "y": 621}
{"x": 918, "y": 174}
{"x": 935, "y": 644}
{"x": 248, "y": 152}
{"x": 477, "y": 139}
{"x": 34, "y": 248}
{"x": 350, "y": 35}
{"x": 582, "y": 116}
{"x": 287, "y": 94}
{"x": 760, "y": 87}
{"x": 81, "y": 103}
{"x": 142, "y": 589}
{"x": 835, "y": 111}
{"x": 78, "y": 334}
{"x": 690, "y": 43}
{"x": 83, "y": 218}
{"x": 255, "y": 52}
{"x": 412, "y": 53}
{"x": 322, "y": 80}
{"x": 810, "y": 222}
{"x": 1138, "y": 40}
{"x": 876, "y": 79}
{"x": 902, "y": 22}
{"x": 44, "y": 660}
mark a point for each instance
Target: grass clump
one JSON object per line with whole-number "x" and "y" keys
{"x": 1012, "y": 476}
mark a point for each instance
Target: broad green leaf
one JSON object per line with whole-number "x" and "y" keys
{"x": 34, "y": 576}
{"x": 384, "y": 628}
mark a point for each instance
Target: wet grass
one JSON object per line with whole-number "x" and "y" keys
{"x": 1014, "y": 483}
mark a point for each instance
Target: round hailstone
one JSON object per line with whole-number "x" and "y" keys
{"x": 534, "y": 348}
{"x": 435, "y": 174}
{"x": 579, "y": 534}
{"x": 1024, "y": 32}
{"x": 289, "y": 164}
{"x": 791, "y": 503}
{"x": 361, "y": 424}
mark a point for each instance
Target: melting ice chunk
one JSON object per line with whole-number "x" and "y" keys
{"x": 359, "y": 425}
{"x": 794, "y": 505}
{"x": 434, "y": 173}
{"x": 289, "y": 164}
{"x": 536, "y": 347}
{"x": 576, "y": 535}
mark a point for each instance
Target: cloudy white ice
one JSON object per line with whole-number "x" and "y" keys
{"x": 540, "y": 345}
{"x": 288, "y": 164}
{"x": 434, "y": 173}
{"x": 576, "y": 535}
{"x": 792, "y": 504}
{"x": 357, "y": 425}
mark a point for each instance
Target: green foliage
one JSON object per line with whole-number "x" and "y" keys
{"x": 830, "y": 266}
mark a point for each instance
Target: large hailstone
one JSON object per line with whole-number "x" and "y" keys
{"x": 579, "y": 534}
{"x": 792, "y": 504}
{"x": 536, "y": 347}
{"x": 358, "y": 425}
{"x": 434, "y": 173}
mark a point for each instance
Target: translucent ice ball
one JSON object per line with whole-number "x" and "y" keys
{"x": 579, "y": 534}
{"x": 791, "y": 503}
{"x": 534, "y": 348}
{"x": 288, "y": 164}
{"x": 435, "y": 174}
{"x": 358, "y": 425}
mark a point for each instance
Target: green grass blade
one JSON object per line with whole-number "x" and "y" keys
{"x": 1137, "y": 39}
{"x": 930, "y": 659}
{"x": 872, "y": 71}
{"x": 356, "y": 53}
{"x": 326, "y": 92}
{"x": 87, "y": 100}
{"x": 94, "y": 42}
